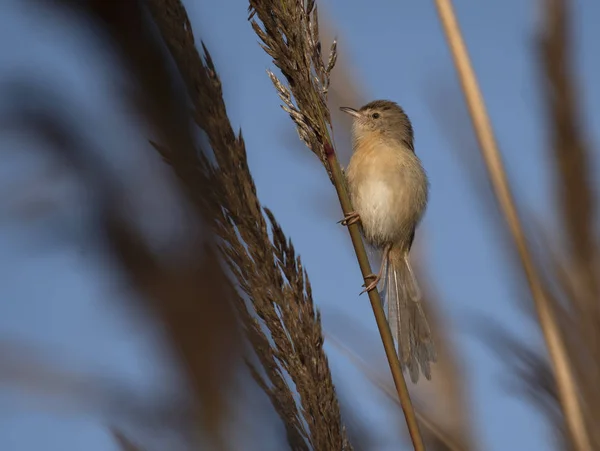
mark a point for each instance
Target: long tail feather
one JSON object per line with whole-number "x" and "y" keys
{"x": 406, "y": 317}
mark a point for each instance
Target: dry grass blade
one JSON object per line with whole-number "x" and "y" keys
{"x": 565, "y": 377}
{"x": 290, "y": 35}
{"x": 269, "y": 274}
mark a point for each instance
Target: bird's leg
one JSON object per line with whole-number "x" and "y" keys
{"x": 350, "y": 219}
{"x": 377, "y": 277}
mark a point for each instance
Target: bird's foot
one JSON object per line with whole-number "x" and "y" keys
{"x": 372, "y": 285}
{"x": 350, "y": 218}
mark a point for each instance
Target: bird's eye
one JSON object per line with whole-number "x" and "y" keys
{"x": 375, "y": 116}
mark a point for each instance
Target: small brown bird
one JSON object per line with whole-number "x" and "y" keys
{"x": 389, "y": 191}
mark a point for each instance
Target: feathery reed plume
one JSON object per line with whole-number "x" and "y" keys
{"x": 563, "y": 370}
{"x": 291, "y": 38}
{"x": 343, "y": 90}
{"x": 269, "y": 274}
{"x": 290, "y": 35}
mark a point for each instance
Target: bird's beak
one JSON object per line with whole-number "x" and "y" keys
{"x": 350, "y": 111}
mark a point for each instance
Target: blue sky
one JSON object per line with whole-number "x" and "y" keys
{"x": 397, "y": 51}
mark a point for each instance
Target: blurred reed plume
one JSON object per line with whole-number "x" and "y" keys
{"x": 566, "y": 258}
{"x": 275, "y": 303}
{"x": 186, "y": 291}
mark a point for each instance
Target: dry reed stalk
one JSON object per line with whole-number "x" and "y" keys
{"x": 565, "y": 377}
{"x": 290, "y": 35}
{"x": 262, "y": 259}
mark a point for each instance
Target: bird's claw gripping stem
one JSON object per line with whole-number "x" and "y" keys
{"x": 350, "y": 218}
{"x": 371, "y": 286}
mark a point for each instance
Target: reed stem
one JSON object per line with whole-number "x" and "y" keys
{"x": 382, "y": 324}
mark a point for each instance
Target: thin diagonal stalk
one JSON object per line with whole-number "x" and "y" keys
{"x": 382, "y": 324}
{"x": 565, "y": 378}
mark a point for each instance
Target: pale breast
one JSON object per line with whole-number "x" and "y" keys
{"x": 388, "y": 189}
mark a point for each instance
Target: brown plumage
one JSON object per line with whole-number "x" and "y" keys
{"x": 389, "y": 192}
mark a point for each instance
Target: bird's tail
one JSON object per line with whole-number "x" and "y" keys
{"x": 402, "y": 302}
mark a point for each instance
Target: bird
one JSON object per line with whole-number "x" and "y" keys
{"x": 389, "y": 190}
